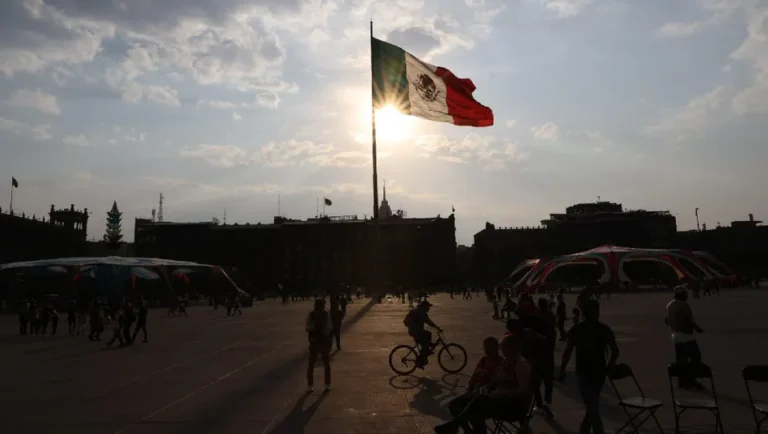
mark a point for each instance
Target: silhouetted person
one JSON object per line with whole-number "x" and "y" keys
{"x": 71, "y": 317}
{"x": 337, "y": 315}
{"x": 23, "y": 317}
{"x": 591, "y": 339}
{"x": 141, "y": 322}
{"x": 319, "y": 328}
{"x": 682, "y": 326}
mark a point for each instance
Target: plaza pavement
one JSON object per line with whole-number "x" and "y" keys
{"x": 208, "y": 373}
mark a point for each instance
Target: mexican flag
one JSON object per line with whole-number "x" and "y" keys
{"x": 419, "y": 89}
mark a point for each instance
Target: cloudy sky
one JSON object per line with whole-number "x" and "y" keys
{"x": 224, "y": 104}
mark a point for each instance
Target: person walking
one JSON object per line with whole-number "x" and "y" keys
{"x": 141, "y": 322}
{"x": 319, "y": 328}
{"x": 591, "y": 339}
{"x": 682, "y": 326}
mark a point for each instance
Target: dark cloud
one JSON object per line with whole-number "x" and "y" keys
{"x": 416, "y": 40}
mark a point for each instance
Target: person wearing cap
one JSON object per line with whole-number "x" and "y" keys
{"x": 415, "y": 321}
{"x": 319, "y": 328}
{"x": 682, "y": 326}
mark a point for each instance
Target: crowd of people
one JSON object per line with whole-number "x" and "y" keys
{"x": 35, "y": 318}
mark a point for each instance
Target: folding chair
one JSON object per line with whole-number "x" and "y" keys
{"x": 509, "y": 426}
{"x": 640, "y": 405}
{"x": 694, "y": 371}
{"x": 756, "y": 373}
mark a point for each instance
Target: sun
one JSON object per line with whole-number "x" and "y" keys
{"x": 391, "y": 125}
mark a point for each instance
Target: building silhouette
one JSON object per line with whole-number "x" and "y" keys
{"x": 582, "y": 227}
{"x": 312, "y": 253}
{"x": 743, "y": 245}
{"x": 24, "y": 238}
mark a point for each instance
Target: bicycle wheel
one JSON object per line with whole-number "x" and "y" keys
{"x": 402, "y": 359}
{"x": 452, "y": 358}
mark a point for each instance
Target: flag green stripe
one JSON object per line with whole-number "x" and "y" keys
{"x": 390, "y": 81}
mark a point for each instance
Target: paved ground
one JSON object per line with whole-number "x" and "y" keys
{"x": 211, "y": 374}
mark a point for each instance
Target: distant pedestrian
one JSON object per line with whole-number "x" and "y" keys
{"x": 560, "y": 316}
{"x": 54, "y": 316}
{"x": 23, "y": 317}
{"x": 71, "y": 317}
{"x": 337, "y": 316}
{"x": 141, "y": 322}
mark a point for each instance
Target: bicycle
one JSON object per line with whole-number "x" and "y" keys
{"x": 407, "y": 362}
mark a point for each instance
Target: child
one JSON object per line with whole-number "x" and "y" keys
{"x": 576, "y": 315}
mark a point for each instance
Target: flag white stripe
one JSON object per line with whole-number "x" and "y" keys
{"x": 434, "y": 110}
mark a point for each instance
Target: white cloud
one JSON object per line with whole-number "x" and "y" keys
{"x": 547, "y": 131}
{"x": 135, "y": 92}
{"x": 680, "y": 29}
{"x": 35, "y": 99}
{"x": 217, "y": 104}
{"x": 342, "y": 159}
{"x": 719, "y": 10}
{"x": 37, "y": 132}
{"x": 754, "y": 50}
{"x": 224, "y": 156}
{"x": 511, "y": 123}
{"x": 567, "y": 8}
{"x": 292, "y": 152}
{"x": 236, "y": 116}
{"x": 79, "y": 141}
{"x": 691, "y": 120}
{"x": 487, "y": 151}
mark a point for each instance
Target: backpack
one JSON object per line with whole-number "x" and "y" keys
{"x": 408, "y": 321}
{"x": 316, "y": 335}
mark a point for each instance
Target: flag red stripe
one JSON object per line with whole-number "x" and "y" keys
{"x": 462, "y": 106}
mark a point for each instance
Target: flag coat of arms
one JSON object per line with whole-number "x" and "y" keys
{"x": 419, "y": 89}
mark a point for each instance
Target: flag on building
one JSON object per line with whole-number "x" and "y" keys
{"x": 14, "y": 182}
{"x": 327, "y": 201}
{"x": 419, "y": 89}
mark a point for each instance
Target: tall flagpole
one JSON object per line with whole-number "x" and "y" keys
{"x": 12, "y": 188}
{"x": 373, "y": 144}
{"x": 377, "y": 228}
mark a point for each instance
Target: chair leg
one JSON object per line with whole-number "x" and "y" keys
{"x": 677, "y": 423}
{"x": 658, "y": 425}
{"x": 719, "y": 422}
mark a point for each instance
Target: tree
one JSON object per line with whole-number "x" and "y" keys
{"x": 114, "y": 235}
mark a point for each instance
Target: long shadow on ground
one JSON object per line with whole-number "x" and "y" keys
{"x": 298, "y": 418}
{"x": 234, "y": 403}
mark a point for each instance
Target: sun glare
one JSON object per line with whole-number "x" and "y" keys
{"x": 392, "y": 126}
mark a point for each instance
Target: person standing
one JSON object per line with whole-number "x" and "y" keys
{"x": 337, "y": 316}
{"x": 682, "y": 326}
{"x": 141, "y": 322}
{"x": 23, "y": 316}
{"x": 560, "y": 316}
{"x": 319, "y": 327}
{"x": 591, "y": 339}
{"x": 72, "y": 317}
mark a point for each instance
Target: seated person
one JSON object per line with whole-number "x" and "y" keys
{"x": 486, "y": 367}
{"x": 507, "y": 396}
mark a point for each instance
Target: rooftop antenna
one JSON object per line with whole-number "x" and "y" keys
{"x": 154, "y": 214}
{"x": 225, "y": 216}
{"x": 598, "y": 198}
{"x": 278, "y": 205}
{"x": 160, "y": 209}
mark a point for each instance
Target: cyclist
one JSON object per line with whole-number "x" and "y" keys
{"x": 415, "y": 321}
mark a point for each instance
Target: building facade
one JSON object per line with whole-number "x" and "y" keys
{"x": 581, "y": 227}
{"x": 26, "y": 238}
{"x": 313, "y": 253}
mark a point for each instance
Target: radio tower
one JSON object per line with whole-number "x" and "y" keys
{"x": 160, "y": 209}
